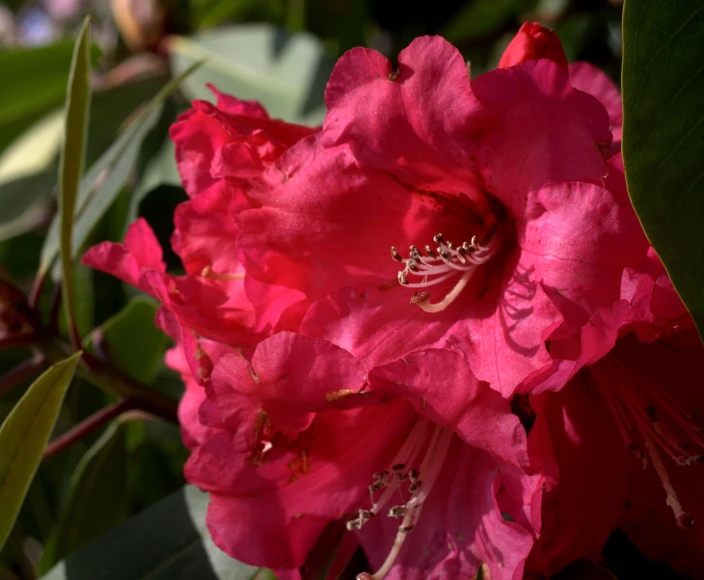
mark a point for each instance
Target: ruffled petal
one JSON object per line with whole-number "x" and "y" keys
{"x": 588, "y": 78}
{"x": 550, "y": 132}
{"x": 325, "y": 223}
{"x": 419, "y": 123}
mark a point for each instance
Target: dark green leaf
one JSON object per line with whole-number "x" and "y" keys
{"x": 24, "y": 203}
{"x": 132, "y": 341}
{"x": 73, "y": 155}
{"x": 97, "y": 498}
{"x": 480, "y": 18}
{"x": 663, "y": 135}
{"x": 33, "y": 83}
{"x": 24, "y": 434}
{"x": 107, "y": 176}
{"x": 286, "y": 73}
{"x": 167, "y": 541}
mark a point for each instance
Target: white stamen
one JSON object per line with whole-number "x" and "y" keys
{"x": 421, "y": 480}
{"x": 439, "y": 266}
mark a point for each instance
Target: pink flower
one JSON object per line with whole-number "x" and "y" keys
{"x": 297, "y": 438}
{"x": 625, "y": 432}
{"x": 497, "y": 186}
{"x": 212, "y": 299}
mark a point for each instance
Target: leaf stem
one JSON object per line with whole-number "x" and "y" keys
{"x": 22, "y": 372}
{"x": 22, "y": 339}
{"x": 111, "y": 380}
{"x": 87, "y": 426}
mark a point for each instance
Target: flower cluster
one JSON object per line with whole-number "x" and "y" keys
{"x": 435, "y": 318}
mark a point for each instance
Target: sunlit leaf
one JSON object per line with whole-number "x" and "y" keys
{"x": 286, "y": 73}
{"x": 25, "y": 433}
{"x": 663, "y": 135}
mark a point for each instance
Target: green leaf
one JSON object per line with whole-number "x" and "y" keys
{"x": 168, "y": 540}
{"x": 286, "y": 73}
{"x": 663, "y": 135}
{"x": 133, "y": 342}
{"x": 25, "y": 433}
{"x": 73, "y": 155}
{"x": 33, "y": 84}
{"x": 107, "y": 175}
{"x": 97, "y": 498}
{"x": 480, "y": 18}
{"x": 24, "y": 203}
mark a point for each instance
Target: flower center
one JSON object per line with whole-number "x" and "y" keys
{"x": 650, "y": 422}
{"x": 446, "y": 262}
{"x": 411, "y": 476}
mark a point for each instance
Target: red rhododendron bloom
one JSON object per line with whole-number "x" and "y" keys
{"x": 284, "y": 455}
{"x": 497, "y": 187}
{"x": 625, "y": 432}
{"x": 315, "y": 391}
{"x": 213, "y": 298}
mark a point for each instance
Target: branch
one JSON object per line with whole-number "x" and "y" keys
{"x": 25, "y": 370}
{"x": 87, "y": 426}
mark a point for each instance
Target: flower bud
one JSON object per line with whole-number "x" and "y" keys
{"x": 531, "y": 43}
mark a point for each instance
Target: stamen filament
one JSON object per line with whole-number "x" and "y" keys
{"x": 684, "y": 520}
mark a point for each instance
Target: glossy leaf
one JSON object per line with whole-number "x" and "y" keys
{"x": 97, "y": 498}
{"x": 286, "y": 73}
{"x": 132, "y": 342}
{"x": 24, "y": 435}
{"x": 663, "y": 135}
{"x": 168, "y": 540}
{"x": 73, "y": 155}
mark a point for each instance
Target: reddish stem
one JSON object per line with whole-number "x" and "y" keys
{"x": 23, "y": 339}
{"x": 87, "y": 426}
{"x": 36, "y": 291}
{"x": 25, "y": 370}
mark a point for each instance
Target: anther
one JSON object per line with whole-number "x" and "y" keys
{"x": 395, "y": 255}
{"x": 398, "y": 511}
{"x": 399, "y": 467}
{"x": 406, "y": 529}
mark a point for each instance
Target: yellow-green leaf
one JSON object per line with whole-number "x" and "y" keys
{"x": 24, "y": 435}
{"x": 73, "y": 155}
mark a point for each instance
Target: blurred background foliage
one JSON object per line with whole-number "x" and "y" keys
{"x": 277, "y": 51}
